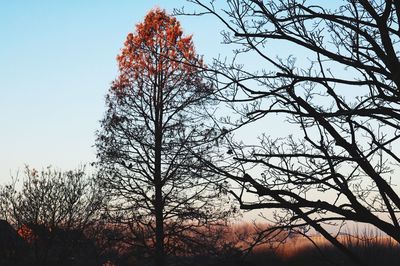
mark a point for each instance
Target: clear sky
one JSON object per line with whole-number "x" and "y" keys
{"x": 57, "y": 59}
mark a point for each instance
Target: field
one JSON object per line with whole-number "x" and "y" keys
{"x": 299, "y": 251}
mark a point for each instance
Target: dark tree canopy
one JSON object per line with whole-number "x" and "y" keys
{"x": 153, "y": 133}
{"x": 344, "y": 99}
{"x": 52, "y": 198}
{"x": 52, "y": 211}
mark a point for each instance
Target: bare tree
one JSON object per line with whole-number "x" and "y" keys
{"x": 52, "y": 209}
{"x": 154, "y": 131}
{"x": 341, "y": 101}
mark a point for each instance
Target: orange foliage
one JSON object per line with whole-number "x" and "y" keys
{"x": 27, "y": 234}
{"x": 157, "y": 51}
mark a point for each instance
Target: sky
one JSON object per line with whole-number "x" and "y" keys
{"x": 57, "y": 60}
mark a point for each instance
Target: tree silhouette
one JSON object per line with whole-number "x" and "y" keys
{"x": 152, "y": 136}
{"x": 341, "y": 101}
{"x": 52, "y": 211}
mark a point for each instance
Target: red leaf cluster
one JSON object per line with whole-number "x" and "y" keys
{"x": 157, "y": 51}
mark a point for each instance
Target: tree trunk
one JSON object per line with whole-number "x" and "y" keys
{"x": 158, "y": 207}
{"x": 158, "y": 204}
{"x": 160, "y": 256}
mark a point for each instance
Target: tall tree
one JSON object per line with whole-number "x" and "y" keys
{"x": 341, "y": 101}
{"x": 152, "y": 136}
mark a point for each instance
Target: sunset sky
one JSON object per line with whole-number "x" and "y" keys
{"x": 57, "y": 59}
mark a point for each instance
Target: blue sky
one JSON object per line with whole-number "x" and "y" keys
{"x": 57, "y": 59}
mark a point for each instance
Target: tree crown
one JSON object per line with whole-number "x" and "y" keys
{"x": 157, "y": 51}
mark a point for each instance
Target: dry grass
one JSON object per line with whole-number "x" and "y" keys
{"x": 373, "y": 249}
{"x": 279, "y": 250}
